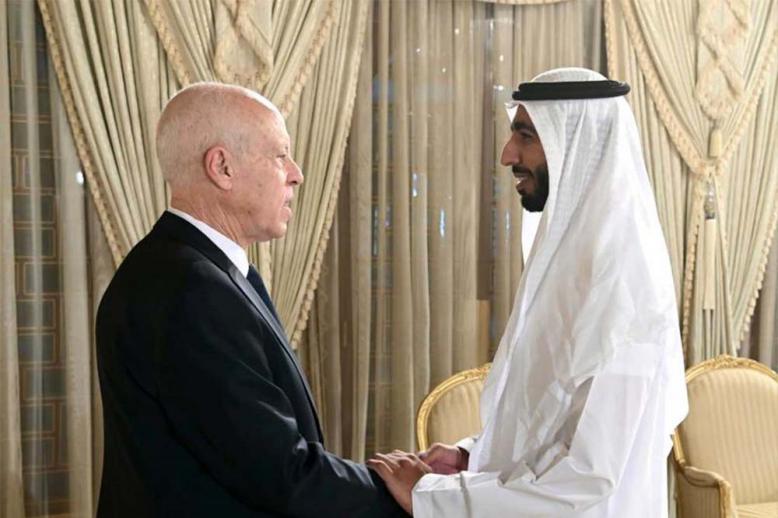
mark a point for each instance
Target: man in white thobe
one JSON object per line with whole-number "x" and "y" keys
{"x": 587, "y": 384}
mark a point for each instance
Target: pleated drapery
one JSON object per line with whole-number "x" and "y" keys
{"x": 705, "y": 100}
{"x": 115, "y": 79}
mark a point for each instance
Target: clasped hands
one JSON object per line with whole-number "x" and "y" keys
{"x": 401, "y": 471}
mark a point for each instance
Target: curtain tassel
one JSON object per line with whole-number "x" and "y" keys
{"x": 715, "y": 142}
{"x": 710, "y": 229}
{"x": 709, "y": 234}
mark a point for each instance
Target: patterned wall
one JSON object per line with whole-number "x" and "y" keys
{"x": 36, "y": 241}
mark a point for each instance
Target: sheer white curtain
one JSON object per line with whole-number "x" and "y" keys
{"x": 11, "y": 480}
{"x": 47, "y": 438}
{"x": 425, "y": 251}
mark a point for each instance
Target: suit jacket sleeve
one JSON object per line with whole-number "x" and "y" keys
{"x": 221, "y": 398}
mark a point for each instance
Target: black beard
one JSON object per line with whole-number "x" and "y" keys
{"x": 536, "y": 201}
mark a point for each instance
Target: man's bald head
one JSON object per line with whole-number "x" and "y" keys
{"x": 227, "y": 155}
{"x": 204, "y": 115}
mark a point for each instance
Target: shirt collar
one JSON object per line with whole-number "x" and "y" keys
{"x": 231, "y": 249}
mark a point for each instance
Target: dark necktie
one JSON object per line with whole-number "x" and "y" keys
{"x": 256, "y": 282}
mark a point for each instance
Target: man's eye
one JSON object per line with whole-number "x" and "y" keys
{"x": 526, "y": 135}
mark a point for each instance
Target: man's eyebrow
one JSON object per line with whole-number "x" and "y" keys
{"x": 519, "y": 125}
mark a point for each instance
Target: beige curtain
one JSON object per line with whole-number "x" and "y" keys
{"x": 47, "y": 441}
{"x": 270, "y": 46}
{"x": 125, "y": 55}
{"x": 414, "y": 184}
{"x": 425, "y": 252}
{"x": 704, "y": 93}
{"x": 114, "y": 78}
{"x": 320, "y": 127}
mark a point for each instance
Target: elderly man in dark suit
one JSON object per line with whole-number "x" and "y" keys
{"x": 207, "y": 412}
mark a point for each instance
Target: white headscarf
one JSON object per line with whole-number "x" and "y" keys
{"x": 598, "y": 279}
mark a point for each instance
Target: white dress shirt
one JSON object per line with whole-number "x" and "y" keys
{"x": 231, "y": 249}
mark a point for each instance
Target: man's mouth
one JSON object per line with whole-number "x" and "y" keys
{"x": 522, "y": 180}
{"x": 288, "y": 205}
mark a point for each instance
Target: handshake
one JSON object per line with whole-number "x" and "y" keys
{"x": 401, "y": 471}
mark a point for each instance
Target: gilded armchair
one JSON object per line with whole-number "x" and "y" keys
{"x": 452, "y": 410}
{"x": 726, "y": 451}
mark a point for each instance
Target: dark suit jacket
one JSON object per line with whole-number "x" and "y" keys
{"x": 206, "y": 409}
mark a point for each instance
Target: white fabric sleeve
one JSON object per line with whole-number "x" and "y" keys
{"x": 467, "y": 443}
{"x": 577, "y": 477}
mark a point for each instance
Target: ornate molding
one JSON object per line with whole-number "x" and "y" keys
{"x": 724, "y": 27}
{"x": 726, "y": 361}
{"x": 697, "y": 159}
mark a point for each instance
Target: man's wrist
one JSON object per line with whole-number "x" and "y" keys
{"x": 464, "y": 459}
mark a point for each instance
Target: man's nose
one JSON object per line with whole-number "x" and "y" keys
{"x": 294, "y": 174}
{"x": 510, "y": 154}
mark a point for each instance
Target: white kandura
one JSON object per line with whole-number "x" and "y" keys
{"x": 587, "y": 385}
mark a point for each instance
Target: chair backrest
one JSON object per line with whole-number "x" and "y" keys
{"x": 732, "y": 426}
{"x": 452, "y": 410}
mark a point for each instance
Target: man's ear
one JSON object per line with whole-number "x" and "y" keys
{"x": 217, "y": 162}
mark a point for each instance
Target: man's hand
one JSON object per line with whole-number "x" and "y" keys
{"x": 400, "y": 471}
{"x": 445, "y": 459}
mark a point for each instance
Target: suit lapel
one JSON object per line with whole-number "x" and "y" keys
{"x": 267, "y": 315}
{"x": 183, "y": 230}
{"x": 250, "y": 293}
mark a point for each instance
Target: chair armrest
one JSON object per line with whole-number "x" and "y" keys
{"x": 704, "y": 494}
